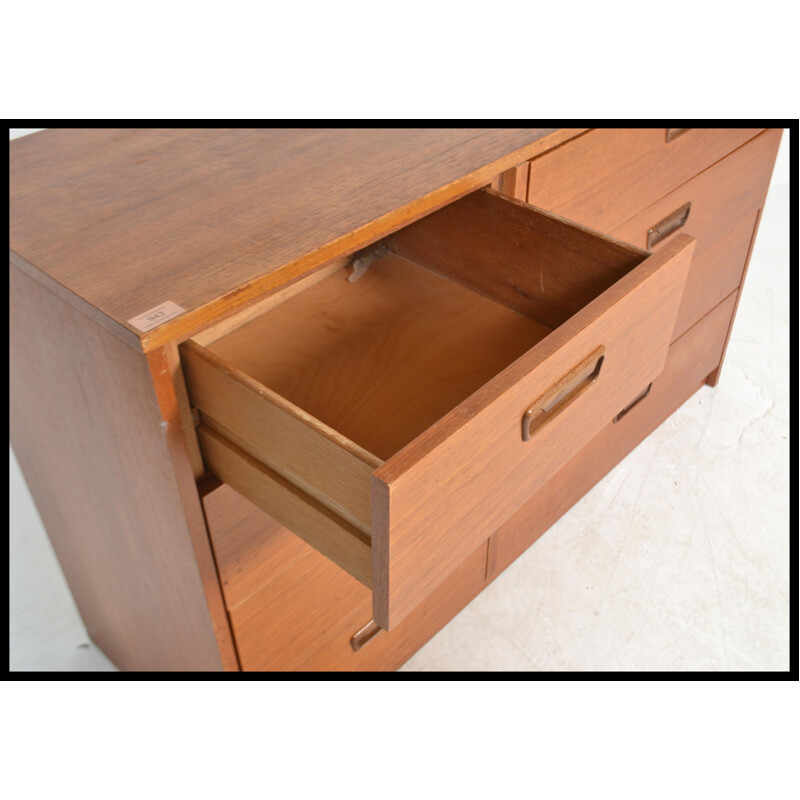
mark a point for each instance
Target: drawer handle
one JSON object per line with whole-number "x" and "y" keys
{"x": 674, "y": 133}
{"x": 563, "y": 394}
{"x": 635, "y": 402}
{"x": 668, "y": 225}
{"x": 366, "y": 634}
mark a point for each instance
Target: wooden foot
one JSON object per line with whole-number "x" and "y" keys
{"x": 713, "y": 377}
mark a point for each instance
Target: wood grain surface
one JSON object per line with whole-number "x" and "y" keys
{"x": 96, "y": 429}
{"x": 329, "y": 533}
{"x": 609, "y": 174}
{"x": 251, "y": 548}
{"x": 212, "y": 219}
{"x": 714, "y": 274}
{"x": 713, "y": 378}
{"x": 533, "y": 261}
{"x": 721, "y": 196}
{"x": 281, "y": 435}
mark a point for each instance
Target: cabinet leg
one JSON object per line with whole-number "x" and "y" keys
{"x": 713, "y": 377}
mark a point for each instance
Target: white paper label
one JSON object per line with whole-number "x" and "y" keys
{"x": 153, "y": 317}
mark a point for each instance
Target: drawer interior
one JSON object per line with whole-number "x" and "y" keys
{"x": 302, "y": 402}
{"x": 381, "y": 359}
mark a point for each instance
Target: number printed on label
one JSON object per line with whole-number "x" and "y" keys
{"x": 153, "y": 317}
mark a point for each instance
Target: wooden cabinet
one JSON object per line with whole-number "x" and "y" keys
{"x": 333, "y": 419}
{"x": 383, "y": 420}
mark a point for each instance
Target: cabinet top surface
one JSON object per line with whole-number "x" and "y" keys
{"x": 123, "y": 221}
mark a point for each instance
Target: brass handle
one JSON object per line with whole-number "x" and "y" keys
{"x": 635, "y": 402}
{"x": 674, "y": 133}
{"x": 366, "y": 634}
{"x": 563, "y": 394}
{"x": 668, "y": 225}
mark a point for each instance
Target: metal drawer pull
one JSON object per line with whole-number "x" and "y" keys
{"x": 563, "y": 394}
{"x": 674, "y": 133}
{"x": 366, "y": 634}
{"x": 660, "y": 231}
{"x": 638, "y": 399}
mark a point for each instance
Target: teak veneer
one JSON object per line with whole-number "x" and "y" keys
{"x": 387, "y": 361}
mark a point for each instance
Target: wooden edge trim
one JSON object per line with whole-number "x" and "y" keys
{"x": 619, "y": 244}
{"x": 158, "y": 363}
{"x": 122, "y": 332}
{"x": 192, "y": 349}
{"x": 558, "y": 146}
{"x": 184, "y": 408}
{"x": 414, "y": 452}
{"x": 712, "y": 379}
{"x": 381, "y": 561}
{"x": 237, "y": 318}
{"x": 187, "y": 324}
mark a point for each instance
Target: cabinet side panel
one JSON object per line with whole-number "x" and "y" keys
{"x": 88, "y": 433}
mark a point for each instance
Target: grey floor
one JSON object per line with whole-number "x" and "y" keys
{"x": 677, "y": 560}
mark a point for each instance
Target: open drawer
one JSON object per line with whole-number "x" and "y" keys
{"x": 395, "y": 421}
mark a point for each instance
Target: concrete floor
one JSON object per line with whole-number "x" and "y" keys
{"x": 677, "y": 560}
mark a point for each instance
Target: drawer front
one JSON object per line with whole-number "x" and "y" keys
{"x": 718, "y": 199}
{"x": 690, "y": 359}
{"x": 389, "y": 650}
{"x": 438, "y": 499}
{"x": 292, "y": 609}
{"x": 606, "y": 176}
{"x": 715, "y": 273}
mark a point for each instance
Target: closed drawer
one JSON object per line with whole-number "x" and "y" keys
{"x": 394, "y": 422}
{"x": 715, "y": 273}
{"x": 607, "y": 175}
{"x": 710, "y": 205}
{"x": 719, "y": 208}
{"x": 296, "y": 610}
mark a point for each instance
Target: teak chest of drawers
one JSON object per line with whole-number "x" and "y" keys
{"x": 289, "y": 399}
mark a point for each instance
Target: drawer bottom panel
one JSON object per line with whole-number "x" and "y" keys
{"x": 690, "y": 359}
{"x": 293, "y": 609}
